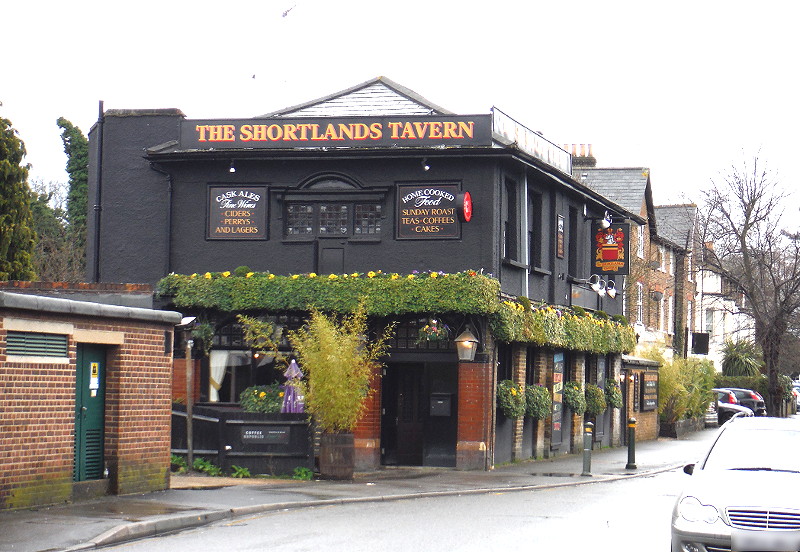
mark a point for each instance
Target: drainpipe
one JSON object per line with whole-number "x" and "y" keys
{"x": 98, "y": 196}
{"x": 168, "y": 224}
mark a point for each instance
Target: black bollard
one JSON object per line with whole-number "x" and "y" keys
{"x": 631, "y": 465}
{"x": 587, "y": 448}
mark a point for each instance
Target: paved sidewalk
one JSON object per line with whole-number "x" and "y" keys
{"x": 197, "y": 500}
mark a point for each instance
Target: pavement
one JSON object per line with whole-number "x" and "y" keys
{"x": 195, "y": 500}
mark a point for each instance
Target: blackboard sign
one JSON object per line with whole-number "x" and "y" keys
{"x": 271, "y": 435}
{"x": 428, "y": 212}
{"x": 237, "y": 212}
{"x": 649, "y": 391}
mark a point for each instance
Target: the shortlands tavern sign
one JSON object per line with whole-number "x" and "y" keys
{"x": 362, "y": 132}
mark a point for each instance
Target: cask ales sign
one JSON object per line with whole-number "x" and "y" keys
{"x": 237, "y": 212}
{"x": 429, "y": 211}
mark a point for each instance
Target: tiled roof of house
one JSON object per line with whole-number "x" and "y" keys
{"x": 676, "y": 224}
{"x": 625, "y": 187}
{"x": 378, "y": 96}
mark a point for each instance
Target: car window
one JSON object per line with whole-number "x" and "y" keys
{"x": 752, "y": 448}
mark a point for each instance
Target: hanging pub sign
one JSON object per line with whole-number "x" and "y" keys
{"x": 431, "y": 211}
{"x": 337, "y": 132}
{"x": 237, "y": 213}
{"x": 610, "y": 249}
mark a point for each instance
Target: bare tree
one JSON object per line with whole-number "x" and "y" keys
{"x": 743, "y": 220}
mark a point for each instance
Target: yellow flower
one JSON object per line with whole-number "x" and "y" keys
{"x": 514, "y": 391}
{"x": 312, "y": 275}
{"x": 395, "y": 276}
{"x": 271, "y": 277}
{"x": 370, "y": 274}
{"x": 332, "y": 277}
{"x": 193, "y": 275}
{"x": 354, "y": 275}
{"x": 410, "y": 276}
{"x": 207, "y": 275}
{"x": 280, "y": 394}
{"x": 295, "y": 276}
{"x": 262, "y": 395}
{"x": 226, "y": 273}
{"x": 434, "y": 274}
{"x": 249, "y": 274}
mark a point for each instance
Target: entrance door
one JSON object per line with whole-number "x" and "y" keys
{"x": 403, "y": 415}
{"x": 90, "y": 407}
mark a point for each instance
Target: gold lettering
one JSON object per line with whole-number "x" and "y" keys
{"x": 450, "y": 130}
{"x": 436, "y": 130}
{"x": 274, "y": 132}
{"x": 395, "y": 127}
{"x": 467, "y": 128}
{"x": 202, "y": 130}
{"x": 289, "y": 132}
{"x": 246, "y": 133}
{"x": 376, "y": 131}
{"x": 260, "y": 133}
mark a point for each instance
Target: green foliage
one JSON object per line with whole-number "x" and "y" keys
{"x": 595, "y": 400}
{"x": 302, "y": 474}
{"x": 17, "y": 238}
{"x": 538, "y": 403}
{"x": 179, "y": 462}
{"x": 262, "y": 398}
{"x": 574, "y": 398}
{"x": 511, "y": 399}
{"x": 545, "y": 325}
{"x": 339, "y": 362}
{"x": 741, "y": 358}
{"x": 381, "y": 294}
{"x": 613, "y": 393}
{"x": 204, "y": 466}
{"x": 684, "y": 388}
{"x": 76, "y": 146}
{"x": 240, "y": 473}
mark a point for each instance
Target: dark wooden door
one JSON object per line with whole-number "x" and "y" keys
{"x": 410, "y": 415}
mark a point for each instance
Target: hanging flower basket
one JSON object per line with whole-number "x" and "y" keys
{"x": 538, "y": 403}
{"x": 613, "y": 394}
{"x": 574, "y": 398}
{"x": 433, "y": 331}
{"x": 511, "y": 399}
{"x": 595, "y": 400}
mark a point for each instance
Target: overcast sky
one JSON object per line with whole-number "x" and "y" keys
{"x": 684, "y": 88}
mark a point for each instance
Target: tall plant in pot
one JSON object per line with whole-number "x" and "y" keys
{"x": 339, "y": 361}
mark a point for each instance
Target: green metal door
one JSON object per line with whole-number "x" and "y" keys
{"x": 89, "y": 412}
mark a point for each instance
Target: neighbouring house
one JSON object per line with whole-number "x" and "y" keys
{"x": 471, "y": 224}
{"x": 85, "y": 398}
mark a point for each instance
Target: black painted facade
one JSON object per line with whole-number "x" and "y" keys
{"x": 155, "y": 195}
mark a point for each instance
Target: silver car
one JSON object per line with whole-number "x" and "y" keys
{"x": 742, "y": 494}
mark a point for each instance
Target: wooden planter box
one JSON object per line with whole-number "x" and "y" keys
{"x": 681, "y": 428}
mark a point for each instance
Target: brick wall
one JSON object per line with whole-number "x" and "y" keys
{"x": 367, "y": 432}
{"x": 38, "y": 410}
{"x": 475, "y": 407}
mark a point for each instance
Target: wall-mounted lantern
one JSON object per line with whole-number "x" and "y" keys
{"x": 467, "y": 346}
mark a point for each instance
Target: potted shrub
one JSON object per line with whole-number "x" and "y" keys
{"x": 338, "y": 361}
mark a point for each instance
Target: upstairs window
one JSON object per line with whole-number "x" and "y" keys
{"x": 510, "y": 222}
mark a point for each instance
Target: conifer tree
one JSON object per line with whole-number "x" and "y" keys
{"x": 17, "y": 238}
{"x": 76, "y": 146}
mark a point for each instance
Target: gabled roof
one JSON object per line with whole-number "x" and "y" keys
{"x": 627, "y": 187}
{"x": 676, "y": 223}
{"x": 379, "y": 96}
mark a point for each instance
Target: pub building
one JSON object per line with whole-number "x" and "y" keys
{"x": 374, "y": 178}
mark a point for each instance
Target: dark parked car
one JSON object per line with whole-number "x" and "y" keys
{"x": 741, "y": 495}
{"x": 744, "y": 397}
